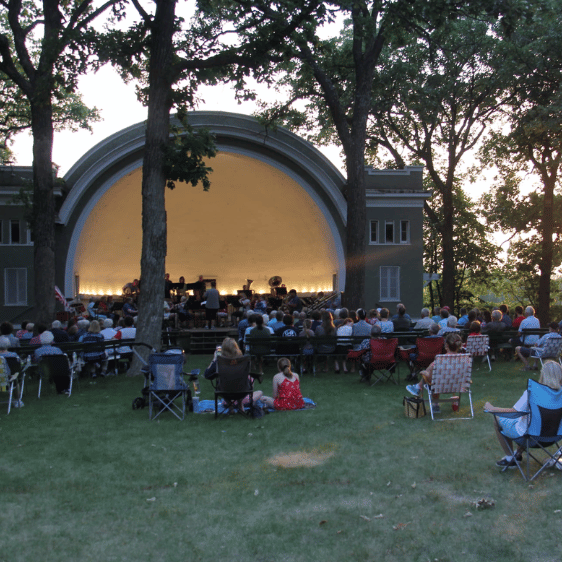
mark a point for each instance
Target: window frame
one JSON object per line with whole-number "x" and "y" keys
{"x": 407, "y": 224}
{"x": 386, "y": 277}
{"x": 374, "y": 223}
{"x": 21, "y": 291}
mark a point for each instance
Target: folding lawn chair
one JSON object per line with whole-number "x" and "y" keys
{"x": 551, "y": 350}
{"x": 18, "y": 369}
{"x": 167, "y": 385}
{"x": 233, "y": 382}
{"x": 427, "y": 349}
{"x": 8, "y": 382}
{"x": 58, "y": 369}
{"x": 451, "y": 375}
{"x": 383, "y": 360}
{"x": 478, "y": 346}
{"x": 544, "y": 427}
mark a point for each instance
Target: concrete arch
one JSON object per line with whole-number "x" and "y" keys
{"x": 282, "y": 164}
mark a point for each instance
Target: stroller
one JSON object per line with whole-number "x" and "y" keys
{"x": 163, "y": 383}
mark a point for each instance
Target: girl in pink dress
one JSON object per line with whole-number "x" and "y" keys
{"x": 286, "y": 389}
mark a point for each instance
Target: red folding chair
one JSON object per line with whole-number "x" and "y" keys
{"x": 383, "y": 361}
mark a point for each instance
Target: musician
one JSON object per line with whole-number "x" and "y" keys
{"x": 294, "y": 303}
{"x": 132, "y": 288}
{"x": 167, "y": 286}
{"x": 212, "y": 298}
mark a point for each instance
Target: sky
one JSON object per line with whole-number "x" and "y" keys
{"x": 119, "y": 108}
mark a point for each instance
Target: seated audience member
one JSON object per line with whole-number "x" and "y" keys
{"x": 23, "y": 330}
{"x": 444, "y": 314}
{"x": 28, "y": 334}
{"x": 343, "y": 343}
{"x": 243, "y": 326}
{"x": 453, "y": 344}
{"x": 365, "y": 346}
{"x": 129, "y": 308}
{"x": 126, "y": 333}
{"x": 308, "y": 348}
{"x": 513, "y": 428}
{"x": 506, "y": 318}
{"x": 519, "y": 317}
{"x": 463, "y": 320}
{"x": 538, "y": 348}
{"x": 496, "y": 324}
{"x": 279, "y": 321}
{"x": 401, "y": 312}
{"x": 486, "y": 319}
{"x": 342, "y": 316}
{"x": 6, "y": 330}
{"x": 46, "y": 348}
{"x": 263, "y": 333}
{"x": 530, "y": 322}
{"x": 4, "y": 345}
{"x": 373, "y": 317}
{"x": 361, "y": 327}
{"x": 401, "y": 321}
{"x": 97, "y": 358}
{"x": 287, "y": 331}
{"x": 425, "y": 321}
{"x": 60, "y": 335}
{"x": 451, "y": 327}
{"x": 272, "y": 319}
{"x": 475, "y": 329}
{"x": 299, "y": 322}
{"x": 108, "y": 333}
{"x": 387, "y": 326}
{"x": 436, "y": 314}
{"x": 316, "y": 317}
{"x": 230, "y": 350}
{"x": 286, "y": 389}
{"x": 327, "y": 328}
{"x": 38, "y": 329}
{"x": 72, "y": 331}
{"x": 83, "y": 326}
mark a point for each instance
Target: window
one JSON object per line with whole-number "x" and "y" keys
{"x": 404, "y": 232}
{"x": 15, "y": 286}
{"x": 374, "y": 236}
{"x": 15, "y": 233}
{"x": 389, "y": 233}
{"x": 390, "y": 283}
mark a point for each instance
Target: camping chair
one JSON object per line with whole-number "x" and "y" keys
{"x": 18, "y": 369}
{"x": 383, "y": 360}
{"x": 94, "y": 355}
{"x": 57, "y": 368}
{"x": 551, "y": 350}
{"x": 233, "y": 382}
{"x": 451, "y": 375}
{"x": 427, "y": 349}
{"x": 544, "y": 427}
{"x": 8, "y": 382}
{"x": 478, "y": 346}
{"x": 166, "y": 372}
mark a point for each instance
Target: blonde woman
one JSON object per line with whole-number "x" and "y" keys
{"x": 512, "y": 428}
{"x": 286, "y": 389}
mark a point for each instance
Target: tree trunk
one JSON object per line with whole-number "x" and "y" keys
{"x": 44, "y": 214}
{"x": 545, "y": 265}
{"x": 448, "y": 280}
{"x": 354, "y": 295}
{"x": 154, "y": 245}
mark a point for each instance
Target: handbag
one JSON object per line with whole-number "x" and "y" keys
{"x": 414, "y": 407}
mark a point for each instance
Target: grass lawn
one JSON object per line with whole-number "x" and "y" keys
{"x": 88, "y": 478}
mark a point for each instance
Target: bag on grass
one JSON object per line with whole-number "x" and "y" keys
{"x": 414, "y": 407}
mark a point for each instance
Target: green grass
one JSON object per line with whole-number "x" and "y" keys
{"x": 88, "y": 478}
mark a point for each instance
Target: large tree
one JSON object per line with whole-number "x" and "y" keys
{"x": 41, "y": 57}
{"x": 529, "y": 145}
{"x": 332, "y": 89}
{"x": 434, "y": 99}
{"x": 174, "y": 62}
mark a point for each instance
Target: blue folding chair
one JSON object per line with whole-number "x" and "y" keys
{"x": 167, "y": 385}
{"x": 544, "y": 427}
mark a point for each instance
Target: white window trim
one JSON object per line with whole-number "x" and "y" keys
{"x": 375, "y": 242}
{"x": 391, "y": 297}
{"x": 24, "y": 291}
{"x": 407, "y": 241}
{"x": 386, "y": 223}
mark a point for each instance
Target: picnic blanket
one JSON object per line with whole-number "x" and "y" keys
{"x": 208, "y": 406}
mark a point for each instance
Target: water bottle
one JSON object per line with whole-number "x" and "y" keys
{"x": 195, "y": 402}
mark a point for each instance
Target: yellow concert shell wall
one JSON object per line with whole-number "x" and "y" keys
{"x": 255, "y": 222}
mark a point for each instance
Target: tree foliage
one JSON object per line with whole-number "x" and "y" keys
{"x": 528, "y": 144}
{"x": 434, "y": 98}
